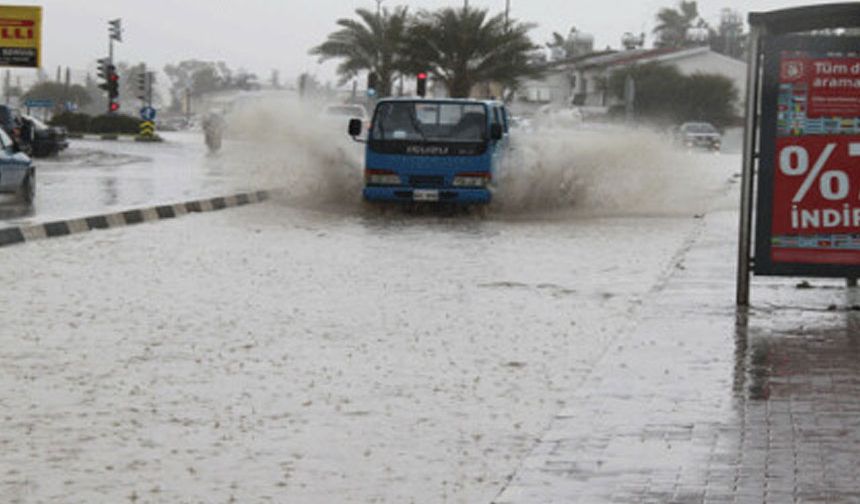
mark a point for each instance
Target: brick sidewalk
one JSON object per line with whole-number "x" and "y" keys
{"x": 699, "y": 405}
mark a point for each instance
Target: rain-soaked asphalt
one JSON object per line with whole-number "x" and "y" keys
{"x": 286, "y": 354}
{"x": 96, "y": 176}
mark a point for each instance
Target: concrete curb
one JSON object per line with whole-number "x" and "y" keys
{"x": 21, "y": 234}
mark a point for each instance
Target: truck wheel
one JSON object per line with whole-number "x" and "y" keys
{"x": 27, "y": 191}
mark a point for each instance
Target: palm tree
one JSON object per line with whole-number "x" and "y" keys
{"x": 463, "y": 47}
{"x": 373, "y": 43}
{"x": 673, "y": 24}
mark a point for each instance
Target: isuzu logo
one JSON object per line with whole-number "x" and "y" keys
{"x": 427, "y": 150}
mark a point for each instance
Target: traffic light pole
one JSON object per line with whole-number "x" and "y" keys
{"x": 114, "y": 34}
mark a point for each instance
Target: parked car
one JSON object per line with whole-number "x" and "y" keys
{"x": 46, "y": 140}
{"x": 17, "y": 174}
{"x": 13, "y": 124}
{"x": 699, "y": 134}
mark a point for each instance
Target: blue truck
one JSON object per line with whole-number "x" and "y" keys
{"x": 433, "y": 150}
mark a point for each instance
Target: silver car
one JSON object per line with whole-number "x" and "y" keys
{"x": 699, "y": 134}
{"x": 17, "y": 174}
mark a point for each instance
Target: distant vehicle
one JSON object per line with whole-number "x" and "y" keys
{"x": 46, "y": 140}
{"x": 698, "y": 134}
{"x": 17, "y": 174}
{"x": 13, "y": 124}
{"x": 213, "y": 130}
{"x": 436, "y": 151}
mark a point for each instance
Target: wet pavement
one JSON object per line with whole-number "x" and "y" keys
{"x": 276, "y": 354}
{"x": 703, "y": 404}
{"x": 286, "y": 353}
{"x": 97, "y": 176}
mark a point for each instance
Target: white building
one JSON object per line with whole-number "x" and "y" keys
{"x": 582, "y": 81}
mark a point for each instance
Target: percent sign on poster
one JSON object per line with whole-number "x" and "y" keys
{"x": 818, "y": 174}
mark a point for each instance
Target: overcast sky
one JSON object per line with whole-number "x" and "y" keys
{"x": 261, "y": 35}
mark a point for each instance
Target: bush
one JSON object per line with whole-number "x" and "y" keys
{"x": 84, "y": 123}
{"x": 122, "y": 124}
{"x": 75, "y": 123}
{"x": 665, "y": 96}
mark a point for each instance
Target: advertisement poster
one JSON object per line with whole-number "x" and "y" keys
{"x": 815, "y": 162}
{"x": 20, "y": 36}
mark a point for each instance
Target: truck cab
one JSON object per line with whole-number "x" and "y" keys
{"x": 433, "y": 150}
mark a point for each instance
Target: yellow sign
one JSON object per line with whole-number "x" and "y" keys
{"x": 20, "y": 36}
{"x": 147, "y": 128}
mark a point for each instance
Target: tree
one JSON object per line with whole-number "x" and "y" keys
{"x": 198, "y": 78}
{"x": 373, "y": 43}
{"x": 673, "y": 24}
{"x": 245, "y": 81}
{"x": 708, "y": 97}
{"x": 665, "y": 96}
{"x": 464, "y": 47}
{"x": 729, "y": 38}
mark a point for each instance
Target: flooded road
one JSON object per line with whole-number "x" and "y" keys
{"x": 96, "y": 176}
{"x": 309, "y": 350}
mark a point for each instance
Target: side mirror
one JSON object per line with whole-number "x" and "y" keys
{"x": 354, "y": 127}
{"x": 496, "y": 131}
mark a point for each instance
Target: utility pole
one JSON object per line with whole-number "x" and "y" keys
{"x": 507, "y": 15}
{"x": 378, "y": 7}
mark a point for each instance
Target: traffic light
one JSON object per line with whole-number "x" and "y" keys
{"x": 421, "y": 85}
{"x": 113, "y": 83}
{"x": 103, "y": 73}
{"x": 142, "y": 85}
{"x": 115, "y": 29}
{"x": 107, "y": 74}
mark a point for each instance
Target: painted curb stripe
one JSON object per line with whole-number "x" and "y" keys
{"x": 11, "y": 236}
{"x": 60, "y": 228}
{"x": 165, "y": 212}
{"x": 97, "y": 222}
{"x": 21, "y": 234}
{"x": 219, "y": 204}
{"x": 133, "y": 217}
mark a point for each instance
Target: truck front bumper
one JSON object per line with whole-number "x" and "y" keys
{"x": 449, "y": 195}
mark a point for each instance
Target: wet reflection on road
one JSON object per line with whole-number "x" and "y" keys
{"x": 798, "y": 394}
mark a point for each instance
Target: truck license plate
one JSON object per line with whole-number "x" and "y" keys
{"x": 425, "y": 195}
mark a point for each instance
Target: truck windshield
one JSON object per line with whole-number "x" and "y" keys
{"x": 430, "y": 122}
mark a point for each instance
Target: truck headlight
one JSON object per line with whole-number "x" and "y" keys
{"x": 480, "y": 179}
{"x": 381, "y": 177}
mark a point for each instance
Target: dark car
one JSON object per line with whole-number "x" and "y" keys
{"x": 45, "y": 140}
{"x": 14, "y": 126}
{"x": 699, "y": 134}
{"x": 17, "y": 174}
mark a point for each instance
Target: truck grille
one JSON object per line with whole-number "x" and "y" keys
{"x": 426, "y": 181}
